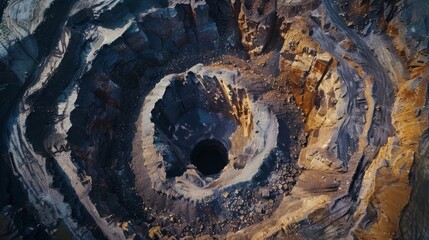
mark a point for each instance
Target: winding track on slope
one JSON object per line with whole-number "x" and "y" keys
{"x": 382, "y": 89}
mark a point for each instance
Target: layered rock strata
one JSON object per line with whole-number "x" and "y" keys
{"x": 316, "y": 110}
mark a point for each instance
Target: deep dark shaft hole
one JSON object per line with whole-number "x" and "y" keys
{"x": 209, "y": 156}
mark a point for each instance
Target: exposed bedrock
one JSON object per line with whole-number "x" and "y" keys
{"x": 184, "y": 111}
{"x": 228, "y": 119}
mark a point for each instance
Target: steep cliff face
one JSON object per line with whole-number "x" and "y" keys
{"x": 271, "y": 119}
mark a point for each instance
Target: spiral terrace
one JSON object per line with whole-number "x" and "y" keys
{"x": 214, "y": 119}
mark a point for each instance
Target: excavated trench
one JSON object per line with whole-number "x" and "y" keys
{"x": 213, "y": 119}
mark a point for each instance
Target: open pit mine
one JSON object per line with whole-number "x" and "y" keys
{"x": 214, "y": 119}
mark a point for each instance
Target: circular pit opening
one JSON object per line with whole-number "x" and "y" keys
{"x": 209, "y": 156}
